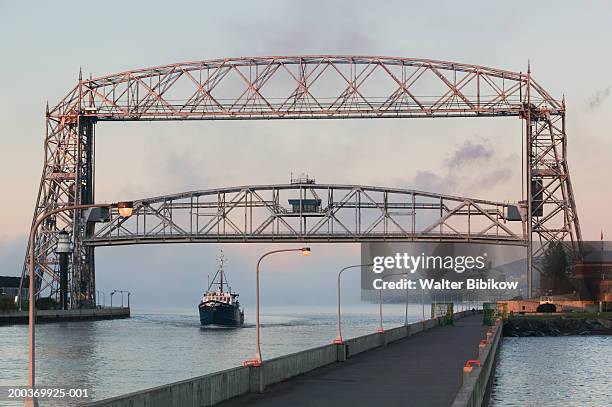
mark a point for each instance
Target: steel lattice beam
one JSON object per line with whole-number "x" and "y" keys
{"x": 344, "y": 213}
{"x": 288, "y": 87}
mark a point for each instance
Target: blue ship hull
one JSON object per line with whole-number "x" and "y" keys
{"x": 219, "y": 313}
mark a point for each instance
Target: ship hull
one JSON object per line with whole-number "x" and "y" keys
{"x": 219, "y": 313}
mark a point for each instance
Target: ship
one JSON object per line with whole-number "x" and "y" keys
{"x": 220, "y": 305}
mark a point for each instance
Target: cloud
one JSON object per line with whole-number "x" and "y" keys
{"x": 469, "y": 152}
{"x": 488, "y": 179}
{"x": 598, "y": 98}
{"x": 472, "y": 167}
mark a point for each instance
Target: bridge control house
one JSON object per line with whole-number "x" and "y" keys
{"x": 305, "y": 205}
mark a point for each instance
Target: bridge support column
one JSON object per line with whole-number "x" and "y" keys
{"x": 83, "y": 264}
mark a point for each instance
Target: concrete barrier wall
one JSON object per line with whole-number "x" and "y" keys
{"x": 216, "y": 387}
{"x": 21, "y": 317}
{"x": 284, "y": 367}
{"x": 371, "y": 341}
{"x": 200, "y": 391}
{"x": 430, "y": 323}
{"x": 395, "y": 334}
{"x": 83, "y": 313}
{"x": 477, "y": 384}
{"x": 364, "y": 343}
{"x": 415, "y": 328}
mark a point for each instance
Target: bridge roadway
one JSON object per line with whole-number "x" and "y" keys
{"x": 422, "y": 370}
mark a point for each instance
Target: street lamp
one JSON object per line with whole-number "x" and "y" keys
{"x": 338, "y": 339}
{"x": 380, "y": 328}
{"x": 122, "y": 292}
{"x": 257, "y": 361}
{"x": 422, "y": 304}
{"x": 124, "y": 207}
{"x": 103, "y": 298}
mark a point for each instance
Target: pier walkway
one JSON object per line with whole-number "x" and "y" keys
{"x": 421, "y": 370}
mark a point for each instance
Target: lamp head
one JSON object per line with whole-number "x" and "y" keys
{"x": 125, "y": 208}
{"x": 305, "y": 251}
{"x": 63, "y": 242}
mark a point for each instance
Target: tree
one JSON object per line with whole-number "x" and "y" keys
{"x": 555, "y": 270}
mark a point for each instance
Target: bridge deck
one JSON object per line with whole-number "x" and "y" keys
{"x": 422, "y": 370}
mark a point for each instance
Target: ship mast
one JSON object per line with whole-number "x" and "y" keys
{"x": 219, "y": 277}
{"x": 221, "y": 260}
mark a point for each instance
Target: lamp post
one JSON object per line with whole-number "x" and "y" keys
{"x": 407, "y": 304}
{"x": 103, "y": 298}
{"x": 422, "y": 304}
{"x": 257, "y": 361}
{"x": 125, "y": 211}
{"x": 602, "y": 274}
{"x": 339, "y": 340}
{"x": 121, "y": 292}
{"x": 128, "y": 297}
{"x": 380, "y": 328}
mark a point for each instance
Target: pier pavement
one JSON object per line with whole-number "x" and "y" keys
{"x": 422, "y": 370}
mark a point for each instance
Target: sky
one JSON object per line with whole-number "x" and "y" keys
{"x": 44, "y": 44}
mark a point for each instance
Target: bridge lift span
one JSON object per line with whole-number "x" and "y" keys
{"x": 295, "y": 87}
{"x": 310, "y": 212}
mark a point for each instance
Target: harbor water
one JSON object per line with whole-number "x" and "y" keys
{"x": 567, "y": 371}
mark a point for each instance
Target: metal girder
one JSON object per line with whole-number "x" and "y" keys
{"x": 317, "y": 213}
{"x": 325, "y": 86}
{"x": 280, "y": 87}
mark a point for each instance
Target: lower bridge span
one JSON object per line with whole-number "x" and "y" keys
{"x": 309, "y": 212}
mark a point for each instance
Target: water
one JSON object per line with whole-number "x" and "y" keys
{"x": 569, "y": 371}
{"x": 114, "y": 357}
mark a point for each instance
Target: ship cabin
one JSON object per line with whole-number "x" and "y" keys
{"x": 224, "y": 297}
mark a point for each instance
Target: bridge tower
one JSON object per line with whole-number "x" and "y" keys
{"x": 67, "y": 179}
{"x": 551, "y": 213}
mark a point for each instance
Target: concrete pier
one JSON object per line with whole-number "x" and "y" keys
{"x": 421, "y": 370}
{"x": 43, "y": 316}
